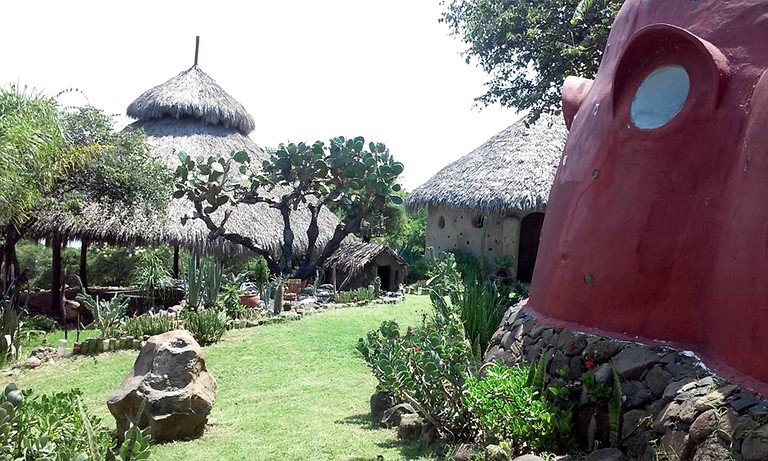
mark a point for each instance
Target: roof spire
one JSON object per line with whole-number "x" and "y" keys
{"x": 197, "y": 48}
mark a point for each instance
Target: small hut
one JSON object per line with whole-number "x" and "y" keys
{"x": 491, "y": 202}
{"x": 357, "y": 263}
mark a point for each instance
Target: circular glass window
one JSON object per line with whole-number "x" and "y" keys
{"x": 660, "y": 97}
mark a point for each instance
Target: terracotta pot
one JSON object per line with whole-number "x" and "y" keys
{"x": 249, "y": 300}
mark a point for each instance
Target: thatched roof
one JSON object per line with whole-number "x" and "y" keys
{"x": 512, "y": 171}
{"x": 353, "y": 256}
{"x": 192, "y": 94}
{"x": 202, "y": 121}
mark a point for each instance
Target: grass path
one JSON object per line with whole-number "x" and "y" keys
{"x": 293, "y": 391}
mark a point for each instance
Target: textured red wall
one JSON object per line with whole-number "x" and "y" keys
{"x": 663, "y": 233}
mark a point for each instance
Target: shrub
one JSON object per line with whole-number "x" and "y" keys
{"x": 480, "y": 306}
{"x": 258, "y": 273}
{"x": 150, "y": 325}
{"x": 152, "y": 277}
{"x": 466, "y": 263}
{"x": 39, "y": 323}
{"x": 207, "y": 326}
{"x": 52, "y": 427}
{"x": 444, "y": 276}
{"x": 426, "y": 367}
{"x": 353, "y": 296}
{"x": 511, "y": 409}
{"x": 107, "y": 315}
{"x": 229, "y": 300}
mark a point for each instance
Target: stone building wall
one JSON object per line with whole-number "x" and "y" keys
{"x": 673, "y": 406}
{"x": 486, "y": 237}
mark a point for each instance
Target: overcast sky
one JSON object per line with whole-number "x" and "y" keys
{"x": 304, "y": 69}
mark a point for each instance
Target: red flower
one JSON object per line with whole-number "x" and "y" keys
{"x": 416, "y": 349}
{"x": 589, "y": 364}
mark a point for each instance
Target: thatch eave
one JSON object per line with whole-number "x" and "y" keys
{"x": 510, "y": 173}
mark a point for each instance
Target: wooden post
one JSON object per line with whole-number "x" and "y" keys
{"x": 55, "y": 305}
{"x": 197, "y": 48}
{"x": 84, "y": 262}
{"x": 176, "y": 261}
{"x": 333, "y": 277}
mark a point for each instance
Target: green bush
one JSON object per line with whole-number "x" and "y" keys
{"x": 444, "y": 276}
{"x": 52, "y": 427}
{"x": 354, "y": 296}
{"x": 480, "y": 306}
{"x": 59, "y": 427}
{"x": 258, "y": 273}
{"x": 150, "y": 325}
{"x": 107, "y": 315}
{"x": 229, "y": 300}
{"x": 426, "y": 367}
{"x": 38, "y": 323}
{"x": 466, "y": 263}
{"x": 207, "y": 326}
{"x": 512, "y": 410}
{"x": 152, "y": 277}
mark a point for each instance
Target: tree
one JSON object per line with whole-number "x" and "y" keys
{"x": 358, "y": 180}
{"x": 79, "y": 158}
{"x": 529, "y": 46}
{"x": 31, "y": 158}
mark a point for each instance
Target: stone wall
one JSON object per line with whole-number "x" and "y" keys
{"x": 454, "y": 229}
{"x": 673, "y": 406}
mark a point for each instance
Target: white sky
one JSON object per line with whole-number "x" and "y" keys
{"x": 304, "y": 69}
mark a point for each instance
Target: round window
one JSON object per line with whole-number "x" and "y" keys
{"x": 441, "y": 223}
{"x": 660, "y": 97}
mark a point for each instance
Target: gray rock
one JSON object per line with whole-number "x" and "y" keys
{"x": 548, "y": 337}
{"x": 577, "y": 367}
{"x": 559, "y": 362}
{"x": 675, "y": 445}
{"x": 635, "y": 393}
{"x": 657, "y": 380}
{"x": 172, "y": 385}
{"x": 602, "y": 350}
{"x": 576, "y": 345}
{"x": 606, "y": 454}
{"x": 704, "y": 425}
{"x": 634, "y": 421}
{"x": 603, "y": 373}
{"x": 33, "y": 362}
{"x": 713, "y": 449}
{"x": 381, "y": 402}
{"x": 755, "y": 446}
{"x": 744, "y": 401}
{"x": 392, "y": 416}
{"x": 507, "y": 340}
{"x": 633, "y": 360}
{"x": 528, "y": 458}
{"x": 410, "y": 427}
{"x": 465, "y": 451}
{"x": 674, "y": 387}
{"x": 563, "y": 338}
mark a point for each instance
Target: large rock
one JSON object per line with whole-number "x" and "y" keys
{"x": 169, "y": 390}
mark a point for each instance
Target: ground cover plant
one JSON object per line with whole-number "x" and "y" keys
{"x": 295, "y": 390}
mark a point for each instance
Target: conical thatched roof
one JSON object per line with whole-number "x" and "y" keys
{"x": 512, "y": 171}
{"x": 192, "y": 94}
{"x": 190, "y": 113}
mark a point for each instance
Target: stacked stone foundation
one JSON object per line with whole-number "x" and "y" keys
{"x": 673, "y": 406}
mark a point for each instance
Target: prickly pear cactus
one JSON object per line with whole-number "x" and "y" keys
{"x": 10, "y": 399}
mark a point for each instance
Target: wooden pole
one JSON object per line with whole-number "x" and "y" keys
{"x": 176, "y": 261}
{"x": 84, "y": 263}
{"x": 197, "y": 48}
{"x": 55, "y": 305}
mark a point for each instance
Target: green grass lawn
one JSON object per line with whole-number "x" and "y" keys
{"x": 291, "y": 391}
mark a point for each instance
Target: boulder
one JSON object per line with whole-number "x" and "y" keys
{"x": 391, "y": 417}
{"x": 169, "y": 389}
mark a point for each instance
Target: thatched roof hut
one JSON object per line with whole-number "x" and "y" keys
{"x": 193, "y": 114}
{"x": 512, "y": 171}
{"x": 490, "y": 202}
{"x": 358, "y": 263}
